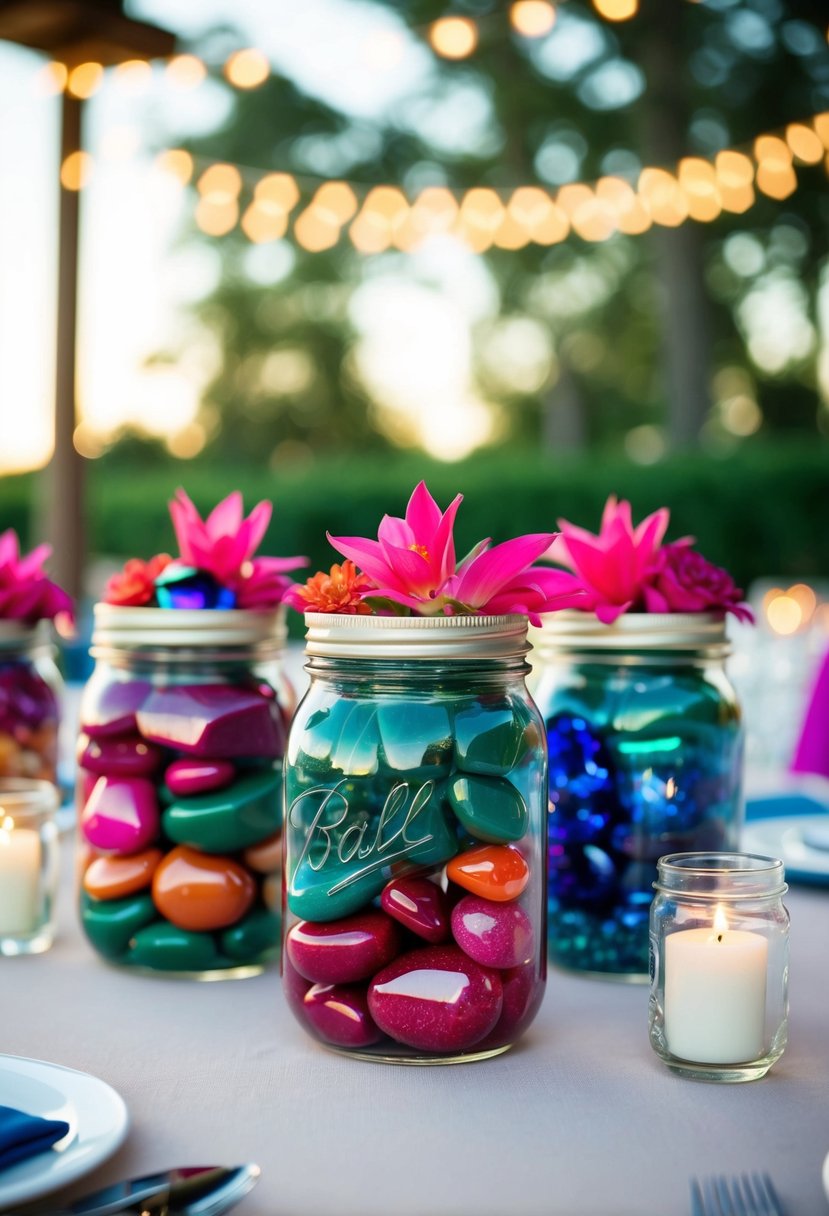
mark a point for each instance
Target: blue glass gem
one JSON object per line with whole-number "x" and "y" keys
{"x": 184, "y": 587}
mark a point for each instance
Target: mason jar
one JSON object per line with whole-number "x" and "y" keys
{"x": 719, "y": 965}
{"x": 31, "y": 691}
{"x": 29, "y": 869}
{"x": 645, "y": 758}
{"x": 183, "y": 726}
{"x": 415, "y": 810}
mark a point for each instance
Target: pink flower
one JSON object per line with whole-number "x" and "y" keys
{"x": 503, "y": 580}
{"x": 613, "y": 567}
{"x": 685, "y": 581}
{"x": 261, "y": 583}
{"x": 224, "y": 542}
{"x": 26, "y": 593}
{"x": 135, "y": 584}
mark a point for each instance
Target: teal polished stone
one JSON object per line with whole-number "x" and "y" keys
{"x": 111, "y": 923}
{"x": 415, "y": 739}
{"x": 341, "y": 851}
{"x": 490, "y": 808}
{"x": 223, "y": 821}
{"x": 337, "y": 740}
{"x": 165, "y": 947}
{"x": 253, "y": 939}
{"x": 492, "y": 739}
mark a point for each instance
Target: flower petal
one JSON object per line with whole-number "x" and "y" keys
{"x": 226, "y": 518}
{"x": 369, "y": 556}
{"x": 423, "y": 515}
{"x": 491, "y": 570}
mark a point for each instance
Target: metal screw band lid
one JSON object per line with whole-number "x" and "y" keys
{"x": 20, "y": 635}
{"x": 674, "y": 632}
{"x": 333, "y": 635}
{"x": 118, "y": 627}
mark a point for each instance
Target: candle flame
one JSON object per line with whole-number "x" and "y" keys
{"x": 720, "y": 921}
{"x": 6, "y": 826}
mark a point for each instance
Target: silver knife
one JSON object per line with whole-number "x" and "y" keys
{"x": 206, "y": 1190}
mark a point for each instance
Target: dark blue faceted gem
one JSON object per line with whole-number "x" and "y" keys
{"x": 184, "y": 587}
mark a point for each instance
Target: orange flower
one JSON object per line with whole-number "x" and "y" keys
{"x": 338, "y": 590}
{"x": 135, "y": 583}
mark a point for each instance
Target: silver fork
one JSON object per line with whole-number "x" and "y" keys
{"x": 749, "y": 1195}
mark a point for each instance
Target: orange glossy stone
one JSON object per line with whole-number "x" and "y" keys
{"x": 493, "y": 871}
{"x": 114, "y": 877}
{"x": 265, "y": 857}
{"x": 199, "y": 891}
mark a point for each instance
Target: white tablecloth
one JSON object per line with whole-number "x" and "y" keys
{"x": 581, "y": 1119}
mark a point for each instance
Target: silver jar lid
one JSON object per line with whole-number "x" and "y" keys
{"x": 126, "y": 628}
{"x": 334, "y": 635}
{"x": 22, "y": 635}
{"x": 702, "y": 633}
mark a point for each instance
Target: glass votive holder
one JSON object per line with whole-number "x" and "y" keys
{"x": 719, "y": 962}
{"x": 28, "y": 865}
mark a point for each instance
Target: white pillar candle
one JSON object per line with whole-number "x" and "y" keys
{"x": 715, "y": 993}
{"x": 20, "y": 857}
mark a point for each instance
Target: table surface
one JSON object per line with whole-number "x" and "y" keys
{"x": 580, "y": 1119}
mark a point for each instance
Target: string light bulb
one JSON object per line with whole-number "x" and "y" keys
{"x": 532, "y": 18}
{"x": 176, "y": 162}
{"x": 76, "y": 171}
{"x": 247, "y": 69}
{"x": 186, "y": 71}
{"x": 220, "y": 183}
{"x": 616, "y": 10}
{"x": 453, "y": 37}
{"x": 85, "y": 80}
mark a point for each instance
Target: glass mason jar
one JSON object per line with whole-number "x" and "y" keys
{"x": 646, "y": 754}
{"x": 415, "y": 827}
{"x": 28, "y": 865}
{"x": 719, "y": 965}
{"x": 31, "y": 691}
{"x": 183, "y": 727}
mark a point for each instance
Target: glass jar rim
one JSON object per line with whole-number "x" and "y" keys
{"x": 702, "y": 633}
{"x": 27, "y": 798}
{"x": 15, "y": 634}
{"x": 355, "y": 636}
{"x": 118, "y": 627}
{"x": 701, "y": 875}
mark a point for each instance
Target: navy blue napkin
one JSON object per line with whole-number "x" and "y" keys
{"x": 23, "y": 1135}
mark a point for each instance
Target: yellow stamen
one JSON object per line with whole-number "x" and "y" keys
{"x": 421, "y": 549}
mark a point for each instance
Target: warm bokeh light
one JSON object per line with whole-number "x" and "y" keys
{"x": 591, "y": 217}
{"x": 370, "y": 232}
{"x": 734, "y": 169}
{"x": 177, "y": 163}
{"x": 784, "y": 614}
{"x": 821, "y": 124}
{"x": 553, "y": 228}
{"x": 337, "y": 200}
{"x": 616, "y": 10}
{"x": 630, "y": 215}
{"x": 529, "y": 205}
{"x": 510, "y": 233}
{"x": 804, "y": 143}
{"x": 776, "y": 180}
{"x": 454, "y": 37}
{"x": 316, "y": 230}
{"x": 87, "y": 442}
{"x": 663, "y": 197}
{"x": 698, "y": 182}
{"x": 278, "y": 188}
{"x": 52, "y": 78}
{"x": 76, "y": 171}
{"x": 247, "y": 69}
{"x": 85, "y": 79}
{"x": 188, "y": 442}
{"x": 220, "y": 183}
{"x": 532, "y": 18}
{"x": 186, "y": 71}
{"x": 805, "y": 598}
{"x": 737, "y": 199}
{"x": 481, "y": 208}
{"x": 434, "y": 210}
{"x": 133, "y": 76}
{"x": 264, "y": 221}
{"x": 772, "y": 151}
{"x": 216, "y": 218}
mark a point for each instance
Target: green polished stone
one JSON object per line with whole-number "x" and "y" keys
{"x": 415, "y": 739}
{"x": 222, "y": 821}
{"x": 335, "y": 740}
{"x": 253, "y": 939}
{"x": 490, "y": 808}
{"x": 165, "y": 947}
{"x": 110, "y": 923}
{"x": 342, "y": 847}
{"x": 492, "y": 739}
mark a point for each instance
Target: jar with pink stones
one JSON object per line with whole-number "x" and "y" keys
{"x": 183, "y": 727}
{"x": 31, "y": 693}
{"x": 415, "y": 830}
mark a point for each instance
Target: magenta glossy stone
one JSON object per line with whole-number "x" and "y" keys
{"x": 495, "y": 935}
{"x": 420, "y": 905}
{"x": 213, "y": 720}
{"x": 109, "y": 709}
{"x": 339, "y": 1014}
{"x": 119, "y": 757}
{"x": 188, "y": 776}
{"x": 121, "y": 815}
{"x": 342, "y": 951}
{"x": 523, "y": 993}
{"x": 436, "y": 999}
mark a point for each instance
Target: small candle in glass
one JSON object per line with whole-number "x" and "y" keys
{"x": 28, "y": 865}
{"x": 719, "y": 938}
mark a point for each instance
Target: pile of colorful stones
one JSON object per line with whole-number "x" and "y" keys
{"x": 414, "y": 865}
{"x": 180, "y": 819}
{"x": 654, "y": 773}
{"x": 28, "y": 721}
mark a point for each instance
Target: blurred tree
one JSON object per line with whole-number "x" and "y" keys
{"x": 591, "y": 340}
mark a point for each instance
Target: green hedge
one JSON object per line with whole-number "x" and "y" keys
{"x": 761, "y": 511}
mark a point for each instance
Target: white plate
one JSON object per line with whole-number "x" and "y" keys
{"x": 96, "y": 1115}
{"x": 800, "y": 841}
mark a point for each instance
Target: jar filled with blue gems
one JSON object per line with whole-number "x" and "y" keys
{"x": 645, "y": 747}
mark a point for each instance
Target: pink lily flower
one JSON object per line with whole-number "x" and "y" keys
{"x": 261, "y": 583}
{"x": 26, "y": 593}
{"x": 613, "y": 566}
{"x": 503, "y": 580}
{"x": 225, "y": 541}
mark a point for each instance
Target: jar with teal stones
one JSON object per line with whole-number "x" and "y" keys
{"x": 415, "y": 848}
{"x": 183, "y": 727}
{"x": 645, "y": 745}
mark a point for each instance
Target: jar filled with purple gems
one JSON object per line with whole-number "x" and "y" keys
{"x": 183, "y": 728}
{"x": 415, "y": 839}
{"x": 645, "y": 747}
{"x": 30, "y": 697}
